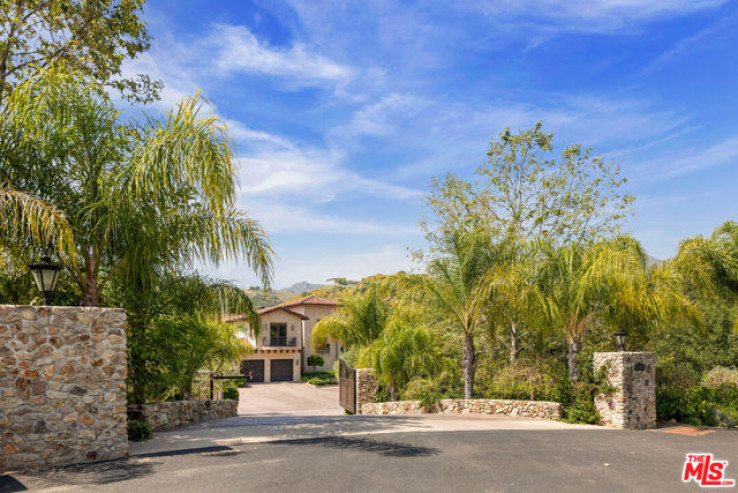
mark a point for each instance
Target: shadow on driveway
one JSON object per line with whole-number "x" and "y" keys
{"x": 386, "y": 448}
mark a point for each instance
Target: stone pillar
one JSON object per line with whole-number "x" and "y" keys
{"x": 366, "y": 387}
{"x": 633, "y": 404}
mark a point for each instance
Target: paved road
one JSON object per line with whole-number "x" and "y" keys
{"x": 492, "y": 460}
{"x": 289, "y": 398}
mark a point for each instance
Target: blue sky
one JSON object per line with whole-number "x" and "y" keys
{"x": 342, "y": 112}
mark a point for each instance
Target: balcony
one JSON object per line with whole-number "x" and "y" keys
{"x": 279, "y": 341}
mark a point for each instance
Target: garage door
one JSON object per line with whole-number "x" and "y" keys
{"x": 281, "y": 370}
{"x": 255, "y": 365}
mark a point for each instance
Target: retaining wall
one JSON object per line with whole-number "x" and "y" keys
{"x": 165, "y": 415}
{"x": 527, "y": 409}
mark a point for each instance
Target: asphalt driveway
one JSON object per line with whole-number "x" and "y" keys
{"x": 491, "y": 460}
{"x": 289, "y": 398}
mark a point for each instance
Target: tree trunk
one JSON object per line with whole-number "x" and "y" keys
{"x": 90, "y": 291}
{"x": 572, "y": 358}
{"x": 470, "y": 365}
{"x": 513, "y": 343}
{"x": 393, "y": 391}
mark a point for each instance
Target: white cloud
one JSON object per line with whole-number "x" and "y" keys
{"x": 592, "y": 15}
{"x": 238, "y": 50}
{"x": 720, "y": 154}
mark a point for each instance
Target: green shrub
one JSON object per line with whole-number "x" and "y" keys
{"x": 417, "y": 388}
{"x": 699, "y": 405}
{"x": 138, "y": 430}
{"x": 315, "y": 361}
{"x": 230, "y": 389}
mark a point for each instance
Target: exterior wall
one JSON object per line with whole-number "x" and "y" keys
{"x": 294, "y": 328}
{"x": 62, "y": 385}
{"x": 266, "y": 353}
{"x": 366, "y": 388}
{"x": 526, "y": 409}
{"x": 633, "y": 404}
{"x": 315, "y": 313}
{"x": 165, "y": 415}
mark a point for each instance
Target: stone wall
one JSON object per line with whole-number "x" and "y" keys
{"x": 164, "y": 415}
{"x": 633, "y": 404}
{"x": 366, "y": 388}
{"x": 62, "y": 385}
{"x": 526, "y": 409}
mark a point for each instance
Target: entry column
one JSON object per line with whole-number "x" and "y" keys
{"x": 632, "y": 403}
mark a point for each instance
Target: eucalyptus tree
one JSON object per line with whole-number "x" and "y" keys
{"x": 140, "y": 198}
{"x": 523, "y": 190}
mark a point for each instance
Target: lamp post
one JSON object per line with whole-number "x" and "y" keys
{"x": 620, "y": 339}
{"x": 45, "y": 273}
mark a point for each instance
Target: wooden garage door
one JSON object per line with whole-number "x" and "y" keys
{"x": 255, "y": 365}
{"x": 281, "y": 370}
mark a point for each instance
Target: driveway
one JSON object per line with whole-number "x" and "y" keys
{"x": 565, "y": 459}
{"x": 289, "y": 398}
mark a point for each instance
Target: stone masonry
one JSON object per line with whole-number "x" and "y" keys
{"x": 366, "y": 388}
{"x": 62, "y": 385}
{"x": 165, "y": 415}
{"x": 633, "y": 404}
{"x": 525, "y": 409}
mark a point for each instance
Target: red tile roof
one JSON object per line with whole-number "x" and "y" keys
{"x": 311, "y": 300}
{"x": 271, "y": 309}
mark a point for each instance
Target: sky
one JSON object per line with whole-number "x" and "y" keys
{"x": 342, "y": 112}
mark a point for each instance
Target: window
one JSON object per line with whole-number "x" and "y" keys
{"x": 277, "y": 334}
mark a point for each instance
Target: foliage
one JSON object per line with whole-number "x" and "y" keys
{"x": 178, "y": 348}
{"x": 93, "y": 38}
{"x": 524, "y": 191}
{"x": 315, "y": 361}
{"x": 138, "y": 200}
{"x": 319, "y": 378}
{"x": 230, "y": 389}
{"x": 699, "y": 405}
{"x": 138, "y": 430}
{"x": 403, "y": 351}
{"x": 358, "y": 322}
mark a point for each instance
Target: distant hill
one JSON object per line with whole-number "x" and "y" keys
{"x": 270, "y": 298}
{"x": 652, "y": 261}
{"x": 302, "y": 287}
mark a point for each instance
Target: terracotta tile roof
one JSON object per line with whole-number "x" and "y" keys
{"x": 311, "y": 300}
{"x": 271, "y": 309}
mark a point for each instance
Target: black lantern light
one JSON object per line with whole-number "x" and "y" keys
{"x": 620, "y": 339}
{"x": 45, "y": 273}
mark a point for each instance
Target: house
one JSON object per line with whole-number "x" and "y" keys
{"x": 282, "y": 348}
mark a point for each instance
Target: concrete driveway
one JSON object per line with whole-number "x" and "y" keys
{"x": 289, "y": 399}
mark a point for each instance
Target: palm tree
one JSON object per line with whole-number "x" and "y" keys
{"x": 578, "y": 286}
{"x": 23, "y": 216}
{"x": 405, "y": 350}
{"x": 140, "y": 199}
{"x": 457, "y": 285}
{"x": 359, "y": 321}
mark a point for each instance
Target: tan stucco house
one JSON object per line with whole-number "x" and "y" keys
{"x": 282, "y": 348}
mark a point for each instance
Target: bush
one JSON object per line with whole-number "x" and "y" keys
{"x": 699, "y": 405}
{"x": 230, "y": 389}
{"x": 315, "y": 361}
{"x": 138, "y": 430}
{"x": 231, "y": 394}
